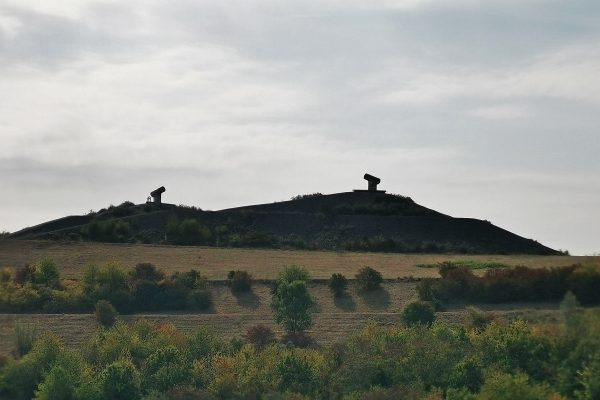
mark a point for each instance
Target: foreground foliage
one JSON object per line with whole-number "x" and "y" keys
{"x": 494, "y": 359}
{"x": 38, "y": 288}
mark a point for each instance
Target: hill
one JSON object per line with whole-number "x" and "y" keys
{"x": 360, "y": 220}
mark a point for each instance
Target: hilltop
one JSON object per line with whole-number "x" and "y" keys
{"x": 359, "y": 220}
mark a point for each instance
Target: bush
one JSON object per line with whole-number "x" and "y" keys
{"x": 418, "y": 312}
{"x": 165, "y": 369}
{"x": 106, "y": 315}
{"x": 199, "y": 299}
{"x": 146, "y": 272}
{"x": 58, "y": 384}
{"x": 293, "y": 273}
{"x": 501, "y": 386}
{"x": 108, "y": 282}
{"x": 298, "y": 339}
{"x": 458, "y": 283}
{"x": 120, "y": 380}
{"x": 478, "y": 319}
{"x": 260, "y": 336}
{"x": 295, "y": 374}
{"x": 46, "y": 273}
{"x": 338, "y": 284}
{"x": 25, "y": 274}
{"x": 239, "y": 281}
{"x": 114, "y": 230}
{"x": 368, "y": 279}
{"x": 584, "y": 283}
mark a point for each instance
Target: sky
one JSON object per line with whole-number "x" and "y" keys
{"x": 484, "y": 109}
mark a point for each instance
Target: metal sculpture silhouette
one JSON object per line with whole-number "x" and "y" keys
{"x": 156, "y": 194}
{"x": 373, "y": 182}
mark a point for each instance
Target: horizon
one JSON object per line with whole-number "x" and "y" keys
{"x": 476, "y": 109}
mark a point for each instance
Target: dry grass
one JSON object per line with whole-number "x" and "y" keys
{"x": 231, "y": 316}
{"x": 72, "y": 257}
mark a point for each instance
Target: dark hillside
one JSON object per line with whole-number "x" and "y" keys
{"x": 371, "y": 221}
{"x": 346, "y": 203}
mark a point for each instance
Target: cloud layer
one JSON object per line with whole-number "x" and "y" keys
{"x": 486, "y": 109}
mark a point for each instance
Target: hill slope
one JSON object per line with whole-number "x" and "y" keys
{"x": 351, "y": 221}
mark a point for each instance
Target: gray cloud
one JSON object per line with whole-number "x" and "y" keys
{"x": 477, "y": 108}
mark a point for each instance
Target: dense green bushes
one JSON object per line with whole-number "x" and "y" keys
{"x": 113, "y": 230}
{"x": 458, "y": 283}
{"x": 502, "y": 360}
{"x": 38, "y": 288}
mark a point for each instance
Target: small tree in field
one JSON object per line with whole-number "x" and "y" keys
{"x": 368, "y": 279}
{"x": 239, "y": 281}
{"x": 338, "y": 284}
{"x": 106, "y": 315}
{"x": 418, "y": 312}
{"x": 292, "y": 303}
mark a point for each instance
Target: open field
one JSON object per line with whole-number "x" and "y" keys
{"x": 232, "y": 315}
{"x": 213, "y": 262}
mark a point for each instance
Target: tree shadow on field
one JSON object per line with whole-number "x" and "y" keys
{"x": 247, "y": 299}
{"x": 345, "y": 302}
{"x": 378, "y": 299}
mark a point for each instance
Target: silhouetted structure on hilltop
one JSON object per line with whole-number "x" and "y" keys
{"x": 156, "y": 194}
{"x": 373, "y": 182}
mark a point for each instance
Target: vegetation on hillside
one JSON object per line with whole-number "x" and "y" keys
{"x": 342, "y": 221}
{"x": 494, "y": 360}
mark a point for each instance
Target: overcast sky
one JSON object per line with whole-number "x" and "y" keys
{"x": 476, "y": 108}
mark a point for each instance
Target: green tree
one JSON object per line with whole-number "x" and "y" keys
{"x": 59, "y": 384}
{"x": 120, "y": 380}
{"x": 295, "y": 373}
{"x": 501, "y": 386}
{"x": 368, "y": 279}
{"x": 106, "y": 315}
{"x": 418, "y": 312}
{"x": 108, "y": 282}
{"x": 588, "y": 378}
{"x": 292, "y": 305}
{"x": 165, "y": 369}
{"x": 46, "y": 273}
{"x": 293, "y": 273}
{"x": 338, "y": 284}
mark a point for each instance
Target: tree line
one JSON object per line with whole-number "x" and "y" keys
{"x": 483, "y": 358}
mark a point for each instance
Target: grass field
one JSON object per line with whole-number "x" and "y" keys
{"x": 72, "y": 257}
{"x": 231, "y": 316}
